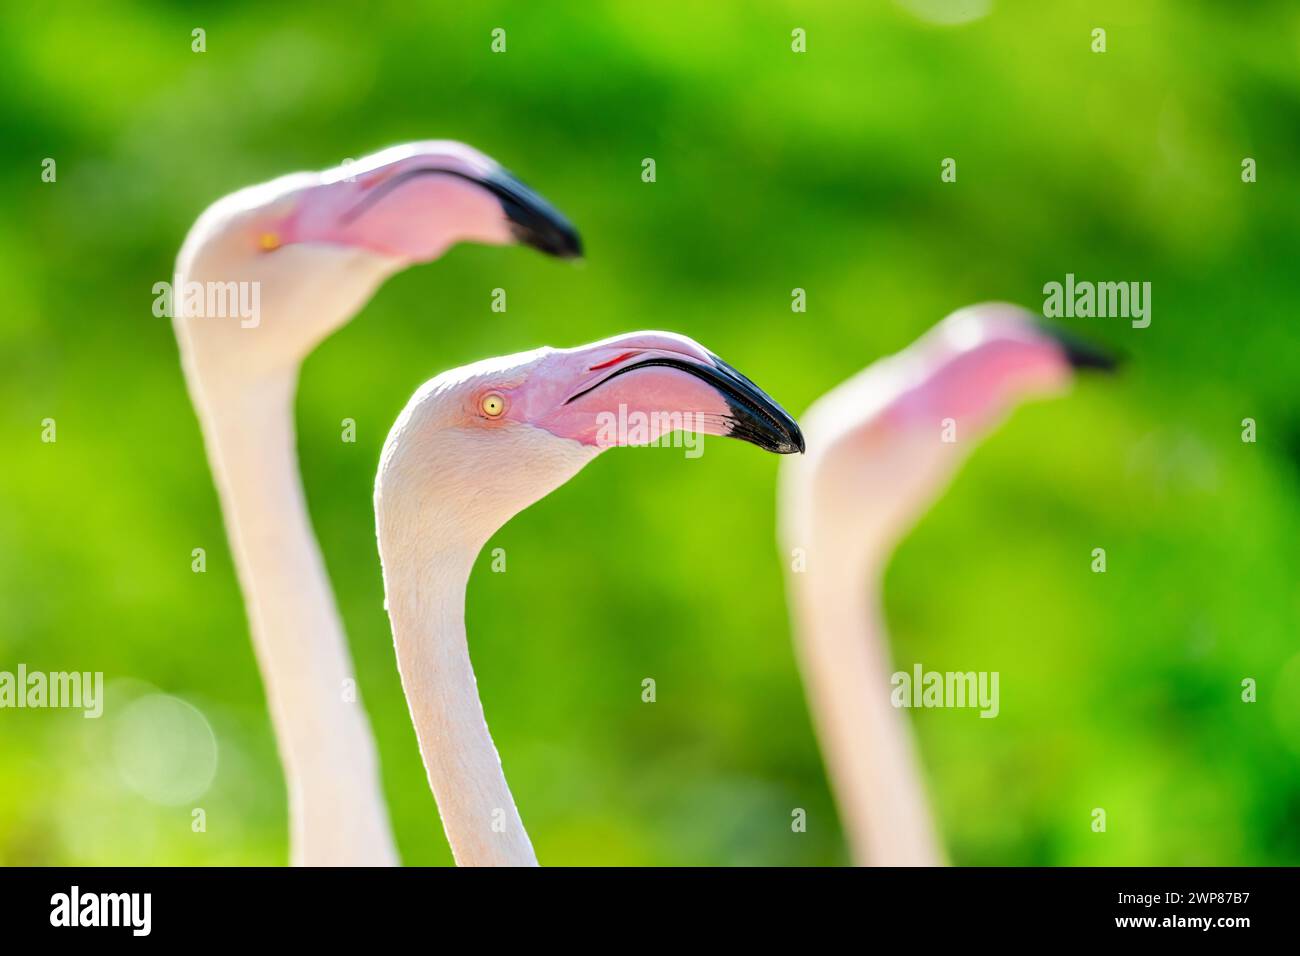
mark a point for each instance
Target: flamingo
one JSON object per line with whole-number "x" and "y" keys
{"x": 879, "y": 461}
{"x": 472, "y": 448}
{"x": 313, "y": 248}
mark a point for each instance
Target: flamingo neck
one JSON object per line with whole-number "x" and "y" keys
{"x": 336, "y": 807}
{"x": 867, "y": 744}
{"x": 426, "y": 605}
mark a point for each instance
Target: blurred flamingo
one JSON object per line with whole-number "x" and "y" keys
{"x": 308, "y": 250}
{"x": 474, "y": 447}
{"x": 878, "y": 461}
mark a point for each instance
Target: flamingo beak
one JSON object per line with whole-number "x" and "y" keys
{"x": 414, "y": 202}
{"x": 532, "y": 220}
{"x": 660, "y": 378}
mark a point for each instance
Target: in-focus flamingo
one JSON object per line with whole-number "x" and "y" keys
{"x": 878, "y": 461}
{"x": 314, "y": 247}
{"x": 472, "y": 448}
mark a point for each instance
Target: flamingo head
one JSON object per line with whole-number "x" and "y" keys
{"x": 478, "y": 444}
{"x": 887, "y": 441}
{"x": 315, "y": 246}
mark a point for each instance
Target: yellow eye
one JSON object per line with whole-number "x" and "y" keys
{"x": 492, "y": 404}
{"x": 269, "y": 241}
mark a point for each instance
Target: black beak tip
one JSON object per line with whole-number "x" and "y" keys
{"x": 568, "y": 244}
{"x": 783, "y": 439}
{"x": 1082, "y": 354}
{"x": 756, "y": 417}
{"x": 552, "y": 236}
{"x": 533, "y": 220}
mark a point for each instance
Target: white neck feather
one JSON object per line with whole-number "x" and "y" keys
{"x": 426, "y": 604}
{"x": 337, "y": 812}
{"x": 866, "y": 743}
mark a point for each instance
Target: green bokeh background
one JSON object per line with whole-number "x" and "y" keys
{"x": 821, "y": 171}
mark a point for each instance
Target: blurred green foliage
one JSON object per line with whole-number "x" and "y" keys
{"x": 775, "y": 171}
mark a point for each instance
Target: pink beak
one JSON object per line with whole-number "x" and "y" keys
{"x": 412, "y": 202}
{"x": 980, "y": 357}
{"x": 665, "y": 381}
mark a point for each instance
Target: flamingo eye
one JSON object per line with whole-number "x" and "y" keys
{"x": 493, "y": 404}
